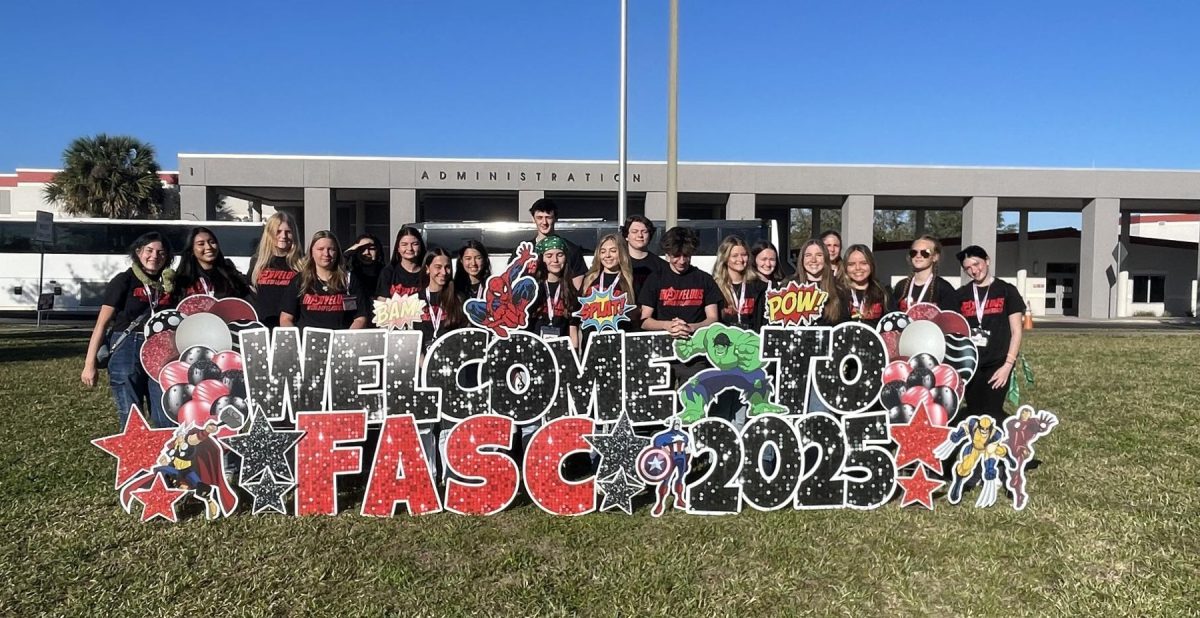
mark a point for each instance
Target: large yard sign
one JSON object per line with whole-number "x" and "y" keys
{"x": 833, "y": 417}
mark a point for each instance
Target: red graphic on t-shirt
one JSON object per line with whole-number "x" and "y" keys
{"x": 275, "y": 277}
{"x": 402, "y": 289}
{"x": 746, "y": 307}
{"x": 671, "y": 297}
{"x": 324, "y": 303}
{"x": 994, "y": 306}
{"x": 140, "y": 294}
{"x": 871, "y": 311}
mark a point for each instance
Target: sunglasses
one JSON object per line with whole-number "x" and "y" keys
{"x": 925, "y": 253}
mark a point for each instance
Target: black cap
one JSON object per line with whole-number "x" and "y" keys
{"x": 970, "y": 251}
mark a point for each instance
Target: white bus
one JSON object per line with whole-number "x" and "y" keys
{"x": 87, "y": 253}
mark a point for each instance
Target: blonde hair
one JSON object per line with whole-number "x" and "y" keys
{"x": 624, "y": 270}
{"x": 266, "y": 245}
{"x": 906, "y": 284}
{"x": 308, "y": 267}
{"x": 721, "y": 271}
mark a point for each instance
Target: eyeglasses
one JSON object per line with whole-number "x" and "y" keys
{"x": 925, "y": 253}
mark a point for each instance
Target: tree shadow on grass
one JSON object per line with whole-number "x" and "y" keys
{"x": 18, "y": 348}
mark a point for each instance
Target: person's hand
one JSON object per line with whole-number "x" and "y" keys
{"x": 1000, "y": 378}
{"x": 679, "y": 329}
{"x": 359, "y": 244}
{"x": 88, "y": 376}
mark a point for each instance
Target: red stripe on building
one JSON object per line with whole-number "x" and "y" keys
{"x": 8, "y": 181}
{"x": 1172, "y": 218}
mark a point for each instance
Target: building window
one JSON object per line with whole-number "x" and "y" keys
{"x": 1149, "y": 288}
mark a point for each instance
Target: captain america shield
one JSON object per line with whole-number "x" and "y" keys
{"x": 654, "y": 464}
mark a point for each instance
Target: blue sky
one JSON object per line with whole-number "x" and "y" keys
{"x": 1064, "y": 83}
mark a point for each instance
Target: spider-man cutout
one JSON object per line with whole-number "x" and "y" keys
{"x": 506, "y": 299}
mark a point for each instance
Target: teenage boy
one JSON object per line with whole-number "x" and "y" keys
{"x": 638, "y": 232}
{"x": 681, "y": 298}
{"x": 544, "y": 214}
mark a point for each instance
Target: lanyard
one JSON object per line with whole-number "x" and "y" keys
{"x": 856, "y": 301}
{"x": 204, "y": 284}
{"x": 152, "y": 296}
{"x": 979, "y": 305}
{"x": 552, "y": 300}
{"x": 434, "y": 316}
{"x": 741, "y": 302}
{"x": 912, "y": 282}
{"x": 603, "y": 283}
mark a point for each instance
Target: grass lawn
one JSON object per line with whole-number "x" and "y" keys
{"x": 1110, "y": 529}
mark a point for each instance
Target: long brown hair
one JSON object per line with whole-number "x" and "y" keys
{"x": 906, "y": 284}
{"x": 833, "y": 305}
{"x": 875, "y": 291}
{"x": 448, "y": 299}
{"x": 308, "y": 268}
{"x": 266, "y": 245}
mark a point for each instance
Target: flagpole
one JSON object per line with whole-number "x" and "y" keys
{"x": 623, "y": 117}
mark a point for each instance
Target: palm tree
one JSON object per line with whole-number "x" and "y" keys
{"x": 112, "y": 176}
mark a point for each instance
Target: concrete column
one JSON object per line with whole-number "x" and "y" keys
{"x": 318, "y": 204}
{"x": 858, "y": 220}
{"x": 1124, "y": 246}
{"x": 816, "y": 223}
{"x": 197, "y": 203}
{"x": 360, "y": 217}
{"x": 978, "y": 228}
{"x": 1098, "y": 258}
{"x": 402, "y": 210}
{"x": 1023, "y": 240}
{"x": 740, "y": 206}
{"x": 525, "y": 199}
{"x": 656, "y": 205}
{"x": 256, "y": 210}
{"x": 918, "y": 222}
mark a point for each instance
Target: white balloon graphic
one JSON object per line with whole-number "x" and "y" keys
{"x": 920, "y": 337}
{"x": 203, "y": 329}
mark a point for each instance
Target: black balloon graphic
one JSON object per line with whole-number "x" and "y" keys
{"x": 946, "y": 397}
{"x": 890, "y": 396}
{"x": 923, "y": 361}
{"x": 175, "y": 397}
{"x": 921, "y": 377}
{"x": 202, "y": 370}
{"x": 901, "y": 414}
{"x": 230, "y": 410}
{"x": 235, "y": 381}
{"x": 196, "y": 353}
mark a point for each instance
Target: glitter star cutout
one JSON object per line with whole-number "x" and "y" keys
{"x": 918, "y": 488}
{"x": 619, "y": 491}
{"x": 159, "y": 500}
{"x": 618, "y": 449}
{"x": 917, "y": 440}
{"x": 136, "y": 448}
{"x": 268, "y": 493}
{"x": 262, "y": 447}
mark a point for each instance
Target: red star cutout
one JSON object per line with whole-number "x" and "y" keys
{"x": 917, "y": 440}
{"x": 918, "y": 489}
{"x": 159, "y": 500}
{"x": 136, "y": 448}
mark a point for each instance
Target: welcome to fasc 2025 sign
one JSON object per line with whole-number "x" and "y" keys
{"x": 837, "y": 417}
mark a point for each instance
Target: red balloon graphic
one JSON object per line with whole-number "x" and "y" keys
{"x": 228, "y": 360}
{"x": 915, "y": 395}
{"x": 173, "y": 373}
{"x": 208, "y": 391}
{"x": 896, "y": 371}
{"x": 194, "y": 412}
{"x": 937, "y": 414}
{"x": 944, "y": 375}
{"x": 233, "y": 310}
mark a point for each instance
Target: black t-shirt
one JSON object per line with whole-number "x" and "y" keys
{"x": 1000, "y": 300}
{"x": 861, "y": 307}
{"x": 433, "y": 319}
{"x": 751, "y": 296}
{"x": 672, "y": 295}
{"x": 549, "y": 312}
{"x": 395, "y": 279}
{"x": 367, "y": 272}
{"x": 575, "y": 263}
{"x": 206, "y": 283}
{"x": 643, "y": 268}
{"x": 323, "y": 308}
{"x": 130, "y": 299}
{"x": 271, "y": 287}
{"x": 943, "y": 295}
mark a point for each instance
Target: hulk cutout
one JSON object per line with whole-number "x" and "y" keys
{"x": 734, "y": 355}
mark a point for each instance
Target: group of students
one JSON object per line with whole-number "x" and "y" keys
{"x": 328, "y": 288}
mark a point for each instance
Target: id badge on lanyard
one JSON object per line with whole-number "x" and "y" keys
{"x": 550, "y": 329}
{"x": 979, "y": 336}
{"x": 349, "y": 301}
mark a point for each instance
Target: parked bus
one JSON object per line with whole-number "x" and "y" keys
{"x": 87, "y": 253}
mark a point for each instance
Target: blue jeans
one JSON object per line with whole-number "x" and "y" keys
{"x": 130, "y": 384}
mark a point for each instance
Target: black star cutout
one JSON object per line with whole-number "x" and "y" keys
{"x": 619, "y": 491}
{"x": 618, "y": 449}
{"x": 262, "y": 447}
{"x": 268, "y": 493}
